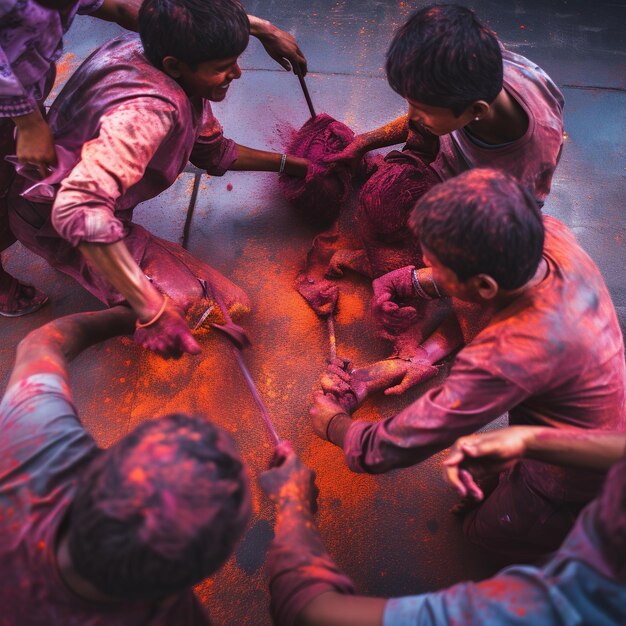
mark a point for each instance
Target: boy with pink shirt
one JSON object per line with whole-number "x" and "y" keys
{"x": 125, "y": 126}
{"x": 550, "y": 353}
{"x": 31, "y": 40}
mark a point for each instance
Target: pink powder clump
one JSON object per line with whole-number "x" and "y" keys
{"x": 318, "y": 197}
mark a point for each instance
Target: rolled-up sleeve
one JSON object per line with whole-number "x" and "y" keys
{"x": 212, "y": 151}
{"x": 469, "y": 399}
{"x": 110, "y": 164}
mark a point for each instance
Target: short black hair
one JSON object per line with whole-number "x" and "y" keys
{"x": 482, "y": 222}
{"x": 193, "y": 31}
{"x": 160, "y": 510}
{"x": 443, "y": 56}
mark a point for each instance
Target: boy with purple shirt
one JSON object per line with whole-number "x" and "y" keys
{"x": 550, "y": 353}
{"x": 125, "y": 125}
{"x": 107, "y": 537}
{"x": 31, "y": 40}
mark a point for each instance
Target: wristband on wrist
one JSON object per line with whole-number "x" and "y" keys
{"x": 155, "y": 319}
{"x": 435, "y": 288}
{"x": 283, "y": 162}
{"x": 331, "y": 420}
{"x": 418, "y": 287}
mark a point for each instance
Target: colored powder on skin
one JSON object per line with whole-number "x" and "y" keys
{"x": 319, "y": 196}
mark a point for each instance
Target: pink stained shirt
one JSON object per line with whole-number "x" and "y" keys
{"x": 124, "y": 131}
{"x": 531, "y": 159}
{"x": 554, "y": 357}
{"x": 43, "y": 451}
{"x": 31, "y": 40}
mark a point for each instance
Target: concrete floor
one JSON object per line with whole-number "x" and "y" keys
{"x": 391, "y": 533}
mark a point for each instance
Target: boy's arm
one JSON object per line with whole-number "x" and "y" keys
{"x": 84, "y": 214}
{"x": 484, "y": 454}
{"x": 48, "y": 349}
{"x": 34, "y": 139}
{"x": 391, "y": 134}
{"x": 279, "y": 44}
{"x": 250, "y": 159}
{"x": 122, "y": 12}
{"x": 306, "y": 587}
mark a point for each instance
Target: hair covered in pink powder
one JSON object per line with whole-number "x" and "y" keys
{"x": 319, "y": 196}
{"x": 385, "y": 203}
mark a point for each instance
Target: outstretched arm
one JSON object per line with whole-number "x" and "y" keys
{"x": 483, "y": 454}
{"x": 306, "y": 587}
{"x": 48, "y": 349}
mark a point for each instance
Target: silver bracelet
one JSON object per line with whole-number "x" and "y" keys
{"x": 283, "y": 161}
{"x": 418, "y": 287}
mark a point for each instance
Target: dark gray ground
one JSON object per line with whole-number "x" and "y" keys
{"x": 391, "y": 533}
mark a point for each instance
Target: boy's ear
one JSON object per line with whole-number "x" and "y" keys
{"x": 486, "y": 287}
{"x": 479, "y": 109}
{"x": 172, "y": 66}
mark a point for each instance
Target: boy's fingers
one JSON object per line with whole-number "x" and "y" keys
{"x": 454, "y": 458}
{"x": 452, "y": 475}
{"x": 470, "y": 484}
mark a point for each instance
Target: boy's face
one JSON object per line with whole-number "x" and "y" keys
{"x": 438, "y": 120}
{"x": 211, "y": 79}
{"x": 479, "y": 288}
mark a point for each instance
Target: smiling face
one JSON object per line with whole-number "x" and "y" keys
{"x": 209, "y": 80}
{"x": 438, "y": 120}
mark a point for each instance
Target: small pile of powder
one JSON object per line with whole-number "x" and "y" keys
{"x": 319, "y": 196}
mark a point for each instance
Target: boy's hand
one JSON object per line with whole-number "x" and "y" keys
{"x": 337, "y": 380}
{"x": 35, "y": 144}
{"x": 169, "y": 335}
{"x": 279, "y": 44}
{"x": 351, "y": 155}
{"x": 390, "y": 291}
{"x": 288, "y": 479}
{"x": 322, "y": 411}
{"x": 476, "y": 456}
{"x": 417, "y": 370}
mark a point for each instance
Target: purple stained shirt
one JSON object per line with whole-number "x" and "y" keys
{"x": 31, "y": 40}
{"x": 43, "y": 450}
{"x": 576, "y": 586}
{"x": 555, "y": 357}
{"x": 533, "y": 158}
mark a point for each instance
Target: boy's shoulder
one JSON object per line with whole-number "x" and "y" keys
{"x": 532, "y": 84}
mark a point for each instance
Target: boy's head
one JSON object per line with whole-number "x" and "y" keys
{"x": 196, "y": 42}
{"x": 160, "y": 510}
{"x": 447, "y": 65}
{"x": 481, "y": 232}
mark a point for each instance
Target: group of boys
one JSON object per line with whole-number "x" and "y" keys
{"x": 119, "y": 536}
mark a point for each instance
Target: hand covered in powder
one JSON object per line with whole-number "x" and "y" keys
{"x": 288, "y": 479}
{"x": 280, "y": 45}
{"x": 338, "y": 381}
{"x": 415, "y": 371}
{"x": 35, "y": 144}
{"x": 325, "y": 406}
{"x": 169, "y": 335}
{"x": 476, "y": 456}
{"x": 391, "y": 291}
{"x": 351, "y": 156}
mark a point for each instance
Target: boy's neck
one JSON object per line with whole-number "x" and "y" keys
{"x": 504, "y": 122}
